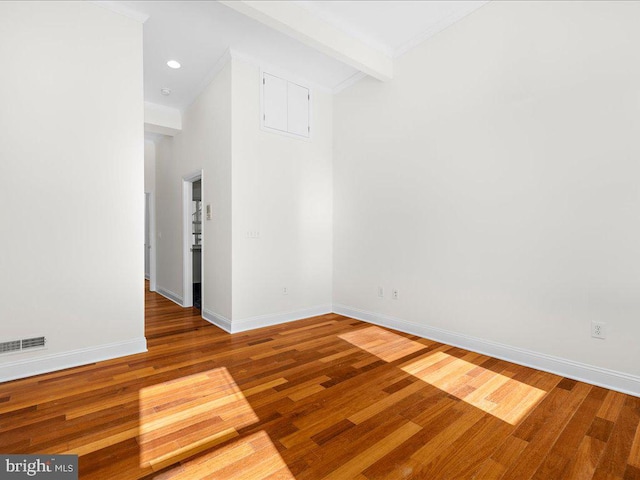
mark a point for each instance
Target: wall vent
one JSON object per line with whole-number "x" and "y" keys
{"x": 12, "y": 346}
{"x": 24, "y": 344}
{"x": 34, "y": 342}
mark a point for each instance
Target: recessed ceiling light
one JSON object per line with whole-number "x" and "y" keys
{"x": 165, "y": 91}
{"x": 173, "y": 64}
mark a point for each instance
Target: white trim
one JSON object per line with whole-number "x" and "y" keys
{"x": 73, "y": 358}
{"x": 187, "y": 237}
{"x": 437, "y": 28}
{"x": 168, "y": 294}
{"x": 304, "y": 26}
{"x": 352, "y": 80}
{"x": 602, "y": 377}
{"x": 150, "y": 128}
{"x": 122, "y": 9}
{"x": 216, "y": 319}
{"x": 342, "y": 24}
{"x": 187, "y": 254}
{"x": 260, "y": 321}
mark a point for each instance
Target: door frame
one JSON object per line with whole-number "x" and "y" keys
{"x": 187, "y": 236}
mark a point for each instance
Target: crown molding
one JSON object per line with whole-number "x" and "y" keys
{"x": 122, "y": 9}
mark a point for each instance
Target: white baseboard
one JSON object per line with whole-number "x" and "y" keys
{"x": 611, "y": 379}
{"x": 59, "y": 361}
{"x": 218, "y": 320}
{"x": 260, "y": 321}
{"x": 174, "y": 297}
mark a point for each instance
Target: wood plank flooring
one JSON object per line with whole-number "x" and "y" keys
{"x": 322, "y": 398}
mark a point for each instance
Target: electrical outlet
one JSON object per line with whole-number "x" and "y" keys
{"x": 395, "y": 294}
{"x": 285, "y": 291}
{"x": 381, "y": 292}
{"x": 598, "y": 330}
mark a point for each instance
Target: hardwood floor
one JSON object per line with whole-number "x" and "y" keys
{"x": 327, "y": 397}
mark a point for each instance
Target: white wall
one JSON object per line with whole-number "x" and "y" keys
{"x": 495, "y": 182}
{"x": 281, "y": 188}
{"x": 71, "y": 120}
{"x": 204, "y": 144}
{"x": 277, "y": 185}
{"x": 168, "y": 222}
{"x": 150, "y": 188}
{"x": 149, "y": 166}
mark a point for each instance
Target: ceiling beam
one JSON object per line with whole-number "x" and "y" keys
{"x": 161, "y": 119}
{"x": 297, "y": 22}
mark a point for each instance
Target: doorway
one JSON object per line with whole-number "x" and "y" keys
{"x": 149, "y": 241}
{"x": 196, "y": 244}
{"x": 192, "y": 240}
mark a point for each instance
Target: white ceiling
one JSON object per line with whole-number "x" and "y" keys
{"x": 199, "y": 34}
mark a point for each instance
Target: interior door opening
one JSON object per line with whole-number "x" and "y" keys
{"x": 196, "y": 245}
{"x": 193, "y": 241}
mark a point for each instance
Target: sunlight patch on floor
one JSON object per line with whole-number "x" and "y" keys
{"x": 383, "y": 344}
{"x": 501, "y": 396}
{"x": 252, "y": 457}
{"x": 497, "y": 394}
{"x": 182, "y": 417}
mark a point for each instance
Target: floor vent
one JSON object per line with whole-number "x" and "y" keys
{"x": 24, "y": 344}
